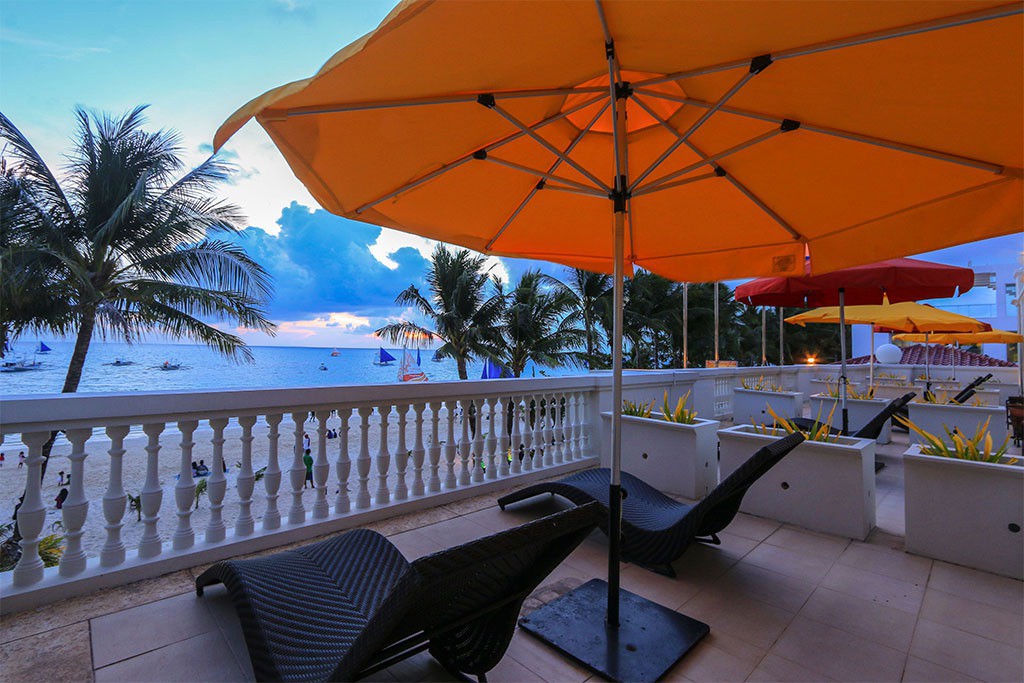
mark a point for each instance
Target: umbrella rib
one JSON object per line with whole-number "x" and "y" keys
{"x": 554, "y": 166}
{"x": 903, "y": 31}
{"x": 508, "y": 116}
{"x": 706, "y": 252}
{"x": 545, "y": 175}
{"x": 489, "y": 148}
{"x": 656, "y": 185}
{"x": 848, "y": 135}
{"x": 683, "y": 137}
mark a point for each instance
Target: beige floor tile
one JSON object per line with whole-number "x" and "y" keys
{"x": 919, "y": 670}
{"x": 543, "y": 661}
{"x": 717, "y": 658}
{"x": 1006, "y": 626}
{"x": 702, "y": 565}
{"x": 222, "y": 609}
{"x": 838, "y": 654}
{"x": 998, "y": 591}
{"x": 734, "y": 614}
{"x": 875, "y": 587}
{"x": 61, "y": 654}
{"x": 754, "y": 528}
{"x": 664, "y": 590}
{"x": 509, "y": 670}
{"x": 871, "y": 620}
{"x": 422, "y": 668}
{"x": 204, "y": 657}
{"x": 734, "y": 545}
{"x": 789, "y": 562}
{"x": 767, "y": 586}
{"x": 882, "y": 539}
{"x": 887, "y": 562}
{"x": 131, "y": 632}
{"x": 809, "y": 542}
{"x": 775, "y": 669}
{"x": 967, "y": 653}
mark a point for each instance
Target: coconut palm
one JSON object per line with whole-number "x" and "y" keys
{"x": 592, "y": 299}
{"x": 126, "y": 240}
{"x": 536, "y": 325}
{"x": 460, "y": 311}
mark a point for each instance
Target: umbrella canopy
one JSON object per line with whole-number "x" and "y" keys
{"x": 756, "y": 131}
{"x": 906, "y": 317}
{"x": 989, "y": 337}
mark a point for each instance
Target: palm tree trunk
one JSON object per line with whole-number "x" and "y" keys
{"x": 460, "y": 361}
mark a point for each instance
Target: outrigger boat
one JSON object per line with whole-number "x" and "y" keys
{"x": 410, "y": 370}
{"x": 384, "y": 358}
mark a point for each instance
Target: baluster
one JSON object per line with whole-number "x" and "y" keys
{"x": 434, "y": 481}
{"x": 564, "y": 418}
{"x": 76, "y": 507}
{"x": 363, "y": 461}
{"x": 321, "y": 468}
{"x": 574, "y": 427}
{"x": 503, "y": 436}
{"x": 549, "y": 437}
{"x": 450, "y": 481}
{"x": 185, "y": 490}
{"x": 115, "y": 500}
{"x": 538, "y": 433}
{"x": 272, "y": 477}
{"x": 527, "y": 435}
{"x": 464, "y": 445}
{"x": 418, "y": 451}
{"x": 343, "y": 465}
{"x": 297, "y": 472}
{"x": 478, "y": 440}
{"x": 152, "y": 495}
{"x": 582, "y": 417}
{"x": 245, "y": 482}
{"x": 383, "y": 457}
{"x": 32, "y": 513}
{"x": 557, "y": 447}
{"x": 491, "y": 444}
{"x": 402, "y": 454}
{"x": 217, "y": 484}
{"x": 517, "y": 439}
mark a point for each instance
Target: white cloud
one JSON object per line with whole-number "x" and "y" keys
{"x": 47, "y": 48}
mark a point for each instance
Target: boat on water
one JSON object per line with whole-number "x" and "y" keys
{"x": 383, "y": 358}
{"x": 118, "y": 363}
{"x": 493, "y": 370}
{"x": 437, "y": 357}
{"x": 409, "y": 370}
{"x": 170, "y": 365}
{"x": 335, "y": 352}
{"x": 20, "y": 365}
{"x": 43, "y": 348}
{"x": 322, "y": 367}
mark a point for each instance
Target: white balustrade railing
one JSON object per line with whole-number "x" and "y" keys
{"x": 371, "y": 448}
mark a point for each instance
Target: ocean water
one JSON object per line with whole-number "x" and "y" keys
{"x": 203, "y": 368}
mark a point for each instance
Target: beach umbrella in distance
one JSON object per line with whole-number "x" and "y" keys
{"x": 906, "y": 316}
{"x": 893, "y": 280}
{"x": 701, "y": 141}
{"x": 989, "y": 337}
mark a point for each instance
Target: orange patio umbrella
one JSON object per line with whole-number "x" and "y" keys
{"x": 725, "y": 139}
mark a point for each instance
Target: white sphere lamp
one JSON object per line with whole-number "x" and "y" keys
{"x": 890, "y": 354}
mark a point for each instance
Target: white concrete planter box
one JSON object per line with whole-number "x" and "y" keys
{"x": 672, "y": 457}
{"x": 965, "y": 512}
{"x": 749, "y": 407}
{"x": 887, "y": 391}
{"x": 827, "y": 487}
{"x": 932, "y": 416}
{"x": 860, "y": 412}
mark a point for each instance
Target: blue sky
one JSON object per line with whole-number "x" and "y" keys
{"x": 194, "y": 62}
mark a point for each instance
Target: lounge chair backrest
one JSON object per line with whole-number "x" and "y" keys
{"x": 461, "y": 586}
{"x": 873, "y": 429}
{"x": 971, "y": 389}
{"x": 718, "y": 508}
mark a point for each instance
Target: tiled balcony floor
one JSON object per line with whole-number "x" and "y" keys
{"x": 784, "y": 604}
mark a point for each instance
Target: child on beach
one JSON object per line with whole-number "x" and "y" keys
{"x": 307, "y": 459}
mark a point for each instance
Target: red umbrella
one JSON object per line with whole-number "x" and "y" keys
{"x": 895, "y": 280}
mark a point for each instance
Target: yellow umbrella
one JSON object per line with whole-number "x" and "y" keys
{"x": 987, "y": 337}
{"x": 907, "y": 316}
{"x": 727, "y": 139}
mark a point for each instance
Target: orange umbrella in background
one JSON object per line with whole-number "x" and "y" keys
{"x": 700, "y": 140}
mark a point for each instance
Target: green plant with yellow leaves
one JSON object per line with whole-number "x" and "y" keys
{"x": 762, "y": 383}
{"x": 681, "y": 414}
{"x": 978, "y": 448}
{"x": 819, "y": 431}
{"x": 851, "y": 392}
{"x": 638, "y": 409}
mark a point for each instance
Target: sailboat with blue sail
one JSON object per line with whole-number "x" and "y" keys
{"x": 383, "y": 358}
{"x": 493, "y": 370}
{"x": 43, "y": 348}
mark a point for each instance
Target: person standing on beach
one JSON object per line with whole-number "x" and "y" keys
{"x": 2, "y": 458}
{"x": 305, "y": 441}
{"x": 21, "y": 459}
{"x": 60, "y": 482}
{"x": 307, "y": 459}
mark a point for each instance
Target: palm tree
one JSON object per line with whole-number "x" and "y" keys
{"x": 458, "y": 307}
{"x": 592, "y": 299}
{"x": 535, "y": 324}
{"x": 126, "y": 240}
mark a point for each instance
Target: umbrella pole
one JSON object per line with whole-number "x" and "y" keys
{"x": 686, "y": 325}
{"x": 782, "y": 348}
{"x": 871, "y": 359}
{"x": 927, "y": 366}
{"x": 716, "y": 324}
{"x": 615, "y": 487}
{"x": 764, "y": 335}
{"x": 842, "y": 362}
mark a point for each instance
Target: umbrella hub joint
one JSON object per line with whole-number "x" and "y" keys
{"x": 486, "y": 100}
{"x": 620, "y": 195}
{"x": 623, "y": 90}
{"x": 760, "y": 63}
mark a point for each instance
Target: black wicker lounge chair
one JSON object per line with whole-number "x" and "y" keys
{"x": 656, "y": 529}
{"x": 873, "y": 428}
{"x": 347, "y": 607}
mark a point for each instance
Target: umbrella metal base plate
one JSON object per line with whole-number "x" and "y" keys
{"x": 649, "y": 641}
